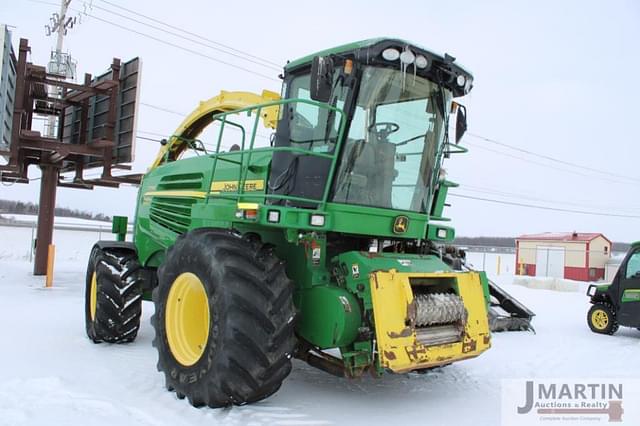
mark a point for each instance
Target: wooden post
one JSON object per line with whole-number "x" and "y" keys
{"x": 50, "y": 260}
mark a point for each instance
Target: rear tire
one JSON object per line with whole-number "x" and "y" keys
{"x": 602, "y": 319}
{"x": 113, "y": 296}
{"x": 243, "y": 352}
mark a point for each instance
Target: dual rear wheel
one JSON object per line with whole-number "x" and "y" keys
{"x": 224, "y": 315}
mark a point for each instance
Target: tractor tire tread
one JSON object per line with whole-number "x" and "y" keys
{"x": 255, "y": 320}
{"x": 119, "y": 296}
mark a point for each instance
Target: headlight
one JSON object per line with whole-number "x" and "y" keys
{"x": 317, "y": 220}
{"x": 461, "y": 80}
{"x": 273, "y": 216}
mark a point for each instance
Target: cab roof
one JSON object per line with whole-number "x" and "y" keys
{"x": 360, "y": 45}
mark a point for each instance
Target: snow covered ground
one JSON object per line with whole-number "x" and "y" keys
{"x": 51, "y": 374}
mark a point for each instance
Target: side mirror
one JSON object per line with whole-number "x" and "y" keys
{"x": 321, "y": 78}
{"x": 461, "y": 122}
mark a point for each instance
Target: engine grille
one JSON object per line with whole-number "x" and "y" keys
{"x": 181, "y": 181}
{"x": 172, "y": 213}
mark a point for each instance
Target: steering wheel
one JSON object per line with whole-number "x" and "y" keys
{"x": 384, "y": 128}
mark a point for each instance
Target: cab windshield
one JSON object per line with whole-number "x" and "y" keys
{"x": 389, "y": 156}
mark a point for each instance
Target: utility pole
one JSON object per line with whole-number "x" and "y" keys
{"x": 61, "y": 29}
{"x": 51, "y": 171}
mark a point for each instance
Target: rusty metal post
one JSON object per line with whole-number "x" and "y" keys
{"x": 46, "y": 210}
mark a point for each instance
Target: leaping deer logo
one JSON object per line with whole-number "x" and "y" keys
{"x": 400, "y": 224}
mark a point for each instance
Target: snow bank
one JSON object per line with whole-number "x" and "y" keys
{"x": 548, "y": 283}
{"x": 71, "y": 245}
{"x": 58, "y": 220}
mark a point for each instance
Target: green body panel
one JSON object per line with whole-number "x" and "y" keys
{"x": 329, "y": 316}
{"x": 353, "y": 269}
{"x": 631, "y": 295}
{"x": 119, "y": 227}
{"x": 440, "y": 200}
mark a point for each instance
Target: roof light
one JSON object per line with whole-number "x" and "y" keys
{"x": 348, "y": 66}
{"x": 421, "y": 62}
{"x": 390, "y": 54}
{"x": 407, "y": 57}
{"x": 461, "y": 80}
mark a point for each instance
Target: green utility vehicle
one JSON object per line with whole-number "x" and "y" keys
{"x": 617, "y": 304}
{"x": 330, "y": 235}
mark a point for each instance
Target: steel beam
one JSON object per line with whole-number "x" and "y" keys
{"x": 46, "y": 212}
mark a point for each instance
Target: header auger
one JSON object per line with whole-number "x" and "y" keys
{"x": 328, "y": 235}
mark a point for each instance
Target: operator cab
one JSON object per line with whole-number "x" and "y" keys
{"x": 389, "y": 127}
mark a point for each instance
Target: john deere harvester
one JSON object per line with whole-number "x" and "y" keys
{"x": 331, "y": 236}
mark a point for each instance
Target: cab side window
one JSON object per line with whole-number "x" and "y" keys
{"x": 633, "y": 266}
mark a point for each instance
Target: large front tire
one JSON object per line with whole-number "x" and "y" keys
{"x": 113, "y": 296}
{"x": 224, "y": 319}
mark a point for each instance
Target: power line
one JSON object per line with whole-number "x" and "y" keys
{"x": 152, "y": 133}
{"x": 546, "y": 157}
{"x": 180, "y": 114}
{"x": 527, "y": 160}
{"x": 194, "y": 52}
{"x": 266, "y": 61}
{"x": 163, "y": 109}
{"x": 164, "y": 30}
{"x": 511, "y": 203}
{"x": 502, "y": 193}
{"x": 168, "y": 43}
{"x": 148, "y": 139}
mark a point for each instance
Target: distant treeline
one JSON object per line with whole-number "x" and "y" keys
{"x": 511, "y": 242}
{"x": 19, "y": 207}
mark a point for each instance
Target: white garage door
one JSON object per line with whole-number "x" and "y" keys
{"x": 550, "y": 262}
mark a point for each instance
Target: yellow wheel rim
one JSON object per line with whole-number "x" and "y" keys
{"x": 187, "y": 319}
{"x": 93, "y": 297}
{"x": 600, "y": 319}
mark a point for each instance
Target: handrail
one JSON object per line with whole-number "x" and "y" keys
{"x": 459, "y": 149}
{"x": 243, "y": 174}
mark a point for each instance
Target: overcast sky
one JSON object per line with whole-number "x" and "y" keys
{"x": 556, "y": 78}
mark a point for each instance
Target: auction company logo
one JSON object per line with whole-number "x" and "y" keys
{"x": 572, "y": 402}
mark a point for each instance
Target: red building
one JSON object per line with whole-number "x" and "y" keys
{"x": 571, "y": 255}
